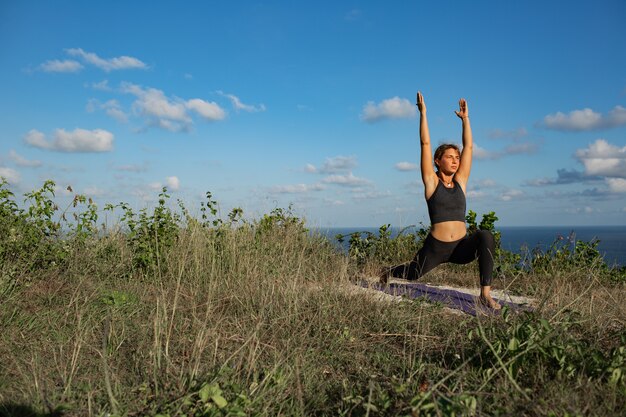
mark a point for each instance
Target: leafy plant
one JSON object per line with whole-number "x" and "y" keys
{"x": 382, "y": 248}
{"x": 30, "y": 236}
{"x": 86, "y": 221}
{"x": 280, "y": 219}
{"x": 522, "y": 344}
{"x": 150, "y": 234}
{"x": 569, "y": 254}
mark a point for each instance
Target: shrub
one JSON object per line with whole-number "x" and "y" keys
{"x": 569, "y": 254}
{"x": 29, "y": 237}
{"x": 150, "y": 235}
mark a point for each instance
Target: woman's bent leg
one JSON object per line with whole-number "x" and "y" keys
{"x": 481, "y": 245}
{"x": 432, "y": 254}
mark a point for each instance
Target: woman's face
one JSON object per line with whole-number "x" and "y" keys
{"x": 449, "y": 162}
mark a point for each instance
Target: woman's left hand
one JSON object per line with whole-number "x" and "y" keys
{"x": 463, "y": 112}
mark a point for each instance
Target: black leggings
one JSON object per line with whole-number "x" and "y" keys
{"x": 479, "y": 244}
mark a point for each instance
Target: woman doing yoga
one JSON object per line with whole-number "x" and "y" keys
{"x": 444, "y": 190}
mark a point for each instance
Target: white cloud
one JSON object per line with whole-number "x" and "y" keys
{"x": 391, "y": 108}
{"x": 310, "y": 168}
{"x": 511, "y": 194}
{"x": 330, "y": 202}
{"x": 476, "y": 194}
{"x": 78, "y": 140}
{"x": 62, "y": 191}
{"x": 603, "y": 159}
{"x": 9, "y": 174}
{"x": 172, "y": 183}
{"x": 158, "y": 109}
{"x": 157, "y": 186}
{"x": 112, "y": 108}
{"x": 585, "y": 119}
{"x": 403, "y": 210}
{"x": 208, "y": 111}
{"x": 153, "y": 102}
{"x": 486, "y": 183}
{"x": 406, "y": 166}
{"x": 338, "y": 164}
{"x": 37, "y": 139}
{"x": 170, "y": 114}
{"x": 296, "y": 188}
{"x": 564, "y": 176}
{"x": 481, "y": 153}
{"x": 348, "y": 180}
{"x": 238, "y": 105}
{"x": 94, "y": 191}
{"x": 61, "y": 66}
{"x": 111, "y": 64}
{"x": 102, "y": 85}
{"x": 616, "y": 185}
{"x": 146, "y": 196}
{"x": 21, "y": 161}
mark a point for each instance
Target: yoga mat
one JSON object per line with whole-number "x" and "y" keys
{"x": 450, "y": 298}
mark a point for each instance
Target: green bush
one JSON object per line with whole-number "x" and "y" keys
{"x": 150, "y": 234}
{"x": 30, "y": 237}
{"x": 524, "y": 344}
{"x": 569, "y": 254}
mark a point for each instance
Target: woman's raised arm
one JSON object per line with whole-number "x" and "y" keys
{"x": 465, "y": 165}
{"x": 429, "y": 177}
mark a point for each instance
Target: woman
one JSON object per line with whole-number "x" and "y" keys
{"x": 444, "y": 190}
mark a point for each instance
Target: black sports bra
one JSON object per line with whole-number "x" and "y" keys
{"x": 447, "y": 204}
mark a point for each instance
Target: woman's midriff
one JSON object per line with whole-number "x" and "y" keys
{"x": 448, "y": 231}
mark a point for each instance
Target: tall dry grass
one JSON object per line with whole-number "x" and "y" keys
{"x": 256, "y": 321}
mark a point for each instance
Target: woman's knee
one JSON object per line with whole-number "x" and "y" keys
{"x": 486, "y": 239}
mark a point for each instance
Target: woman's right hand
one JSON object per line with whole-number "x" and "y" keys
{"x": 421, "y": 105}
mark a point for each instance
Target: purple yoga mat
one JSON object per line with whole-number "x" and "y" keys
{"x": 450, "y": 298}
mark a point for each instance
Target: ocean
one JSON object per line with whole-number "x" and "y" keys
{"x": 612, "y": 238}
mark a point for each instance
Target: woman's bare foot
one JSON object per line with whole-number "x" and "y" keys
{"x": 489, "y": 302}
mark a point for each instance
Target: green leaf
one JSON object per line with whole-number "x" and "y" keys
{"x": 615, "y": 377}
{"x": 205, "y": 393}
{"x": 214, "y": 393}
{"x": 219, "y": 400}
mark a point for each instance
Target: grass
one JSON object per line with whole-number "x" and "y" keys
{"x": 253, "y": 320}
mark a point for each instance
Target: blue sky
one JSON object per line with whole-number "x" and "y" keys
{"x": 267, "y": 104}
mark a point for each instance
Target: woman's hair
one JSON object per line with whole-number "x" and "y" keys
{"x": 443, "y": 148}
